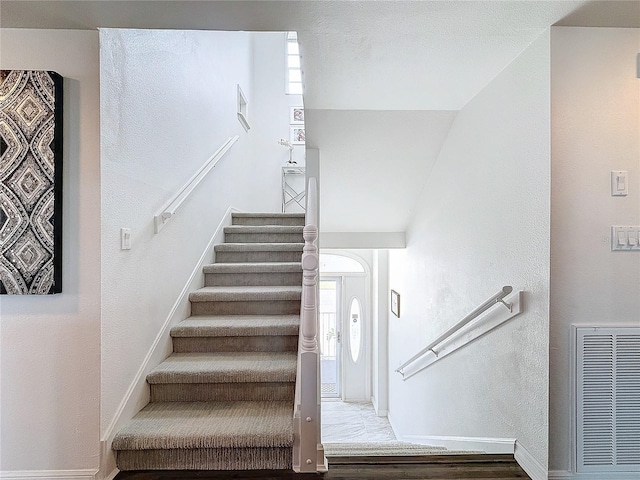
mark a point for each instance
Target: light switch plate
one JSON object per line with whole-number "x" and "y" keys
{"x": 619, "y": 183}
{"x": 625, "y": 238}
{"x": 125, "y": 239}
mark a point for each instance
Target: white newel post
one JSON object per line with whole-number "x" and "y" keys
{"x": 308, "y": 453}
{"x": 309, "y": 354}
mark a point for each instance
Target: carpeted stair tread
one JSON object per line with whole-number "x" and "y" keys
{"x": 381, "y": 449}
{"x": 237, "y": 326}
{"x": 259, "y": 247}
{"x": 246, "y": 293}
{"x": 267, "y": 215}
{"x": 253, "y": 267}
{"x": 226, "y": 367}
{"x": 264, "y": 229}
{"x": 191, "y": 425}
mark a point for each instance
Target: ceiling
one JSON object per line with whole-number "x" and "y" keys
{"x": 376, "y": 70}
{"x": 373, "y": 55}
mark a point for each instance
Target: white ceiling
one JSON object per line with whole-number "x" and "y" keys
{"x": 387, "y": 57}
{"x": 375, "y": 55}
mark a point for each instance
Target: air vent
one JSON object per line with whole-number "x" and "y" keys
{"x": 608, "y": 399}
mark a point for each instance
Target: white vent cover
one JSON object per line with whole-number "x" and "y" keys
{"x": 608, "y": 399}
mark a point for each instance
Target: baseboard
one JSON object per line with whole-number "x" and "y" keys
{"x": 482, "y": 444}
{"x": 566, "y": 475}
{"x": 529, "y": 464}
{"x": 112, "y": 475}
{"x": 137, "y": 395}
{"x": 86, "y": 474}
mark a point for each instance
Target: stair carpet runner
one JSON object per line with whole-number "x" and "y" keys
{"x": 224, "y": 399}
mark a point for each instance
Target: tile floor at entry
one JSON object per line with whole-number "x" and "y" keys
{"x": 352, "y": 422}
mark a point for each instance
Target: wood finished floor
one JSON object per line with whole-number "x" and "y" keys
{"x": 433, "y": 467}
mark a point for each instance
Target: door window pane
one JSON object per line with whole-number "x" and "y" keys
{"x": 355, "y": 329}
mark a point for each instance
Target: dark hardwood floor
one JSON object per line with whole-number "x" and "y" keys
{"x": 433, "y": 467}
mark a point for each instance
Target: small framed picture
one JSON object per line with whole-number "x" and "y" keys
{"x": 297, "y": 135}
{"x": 296, "y": 116}
{"x": 395, "y": 303}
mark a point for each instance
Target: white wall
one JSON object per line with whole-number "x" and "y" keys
{"x": 482, "y": 222}
{"x": 50, "y": 345}
{"x": 269, "y": 110}
{"x": 373, "y": 166}
{"x": 168, "y": 102}
{"x": 596, "y": 128}
{"x": 380, "y": 320}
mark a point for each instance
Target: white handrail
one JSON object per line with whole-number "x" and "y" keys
{"x": 308, "y": 454}
{"x": 493, "y": 300}
{"x": 169, "y": 208}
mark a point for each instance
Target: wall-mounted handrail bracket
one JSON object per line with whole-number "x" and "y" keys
{"x": 508, "y": 305}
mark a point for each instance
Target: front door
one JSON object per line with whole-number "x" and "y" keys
{"x": 356, "y": 343}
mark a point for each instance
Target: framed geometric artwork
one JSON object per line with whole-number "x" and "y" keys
{"x": 30, "y": 182}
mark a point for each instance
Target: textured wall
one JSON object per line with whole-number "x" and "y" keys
{"x": 50, "y": 345}
{"x": 168, "y": 101}
{"x": 596, "y": 128}
{"x": 482, "y": 222}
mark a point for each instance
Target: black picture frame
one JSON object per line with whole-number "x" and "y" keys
{"x": 31, "y": 179}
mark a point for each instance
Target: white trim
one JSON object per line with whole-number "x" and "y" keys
{"x": 112, "y": 475}
{"x": 137, "y": 395}
{"x": 362, "y": 240}
{"x": 566, "y": 475}
{"x": 84, "y": 474}
{"x": 483, "y": 444}
{"x": 529, "y": 463}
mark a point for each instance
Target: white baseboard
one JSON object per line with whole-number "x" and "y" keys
{"x": 112, "y": 475}
{"x": 137, "y": 395}
{"x": 86, "y": 474}
{"x": 566, "y": 475}
{"x": 487, "y": 445}
{"x": 529, "y": 464}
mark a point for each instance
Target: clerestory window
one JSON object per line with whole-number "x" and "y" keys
{"x": 294, "y": 73}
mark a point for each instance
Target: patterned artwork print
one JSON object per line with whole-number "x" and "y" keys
{"x": 30, "y": 182}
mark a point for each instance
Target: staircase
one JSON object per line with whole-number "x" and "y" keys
{"x": 224, "y": 399}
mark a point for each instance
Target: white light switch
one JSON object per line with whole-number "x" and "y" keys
{"x": 125, "y": 239}
{"x": 625, "y": 238}
{"x": 619, "y": 183}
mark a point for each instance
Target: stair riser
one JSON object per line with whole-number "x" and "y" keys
{"x": 263, "y": 238}
{"x": 265, "y": 458}
{"x": 260, "y": 221}
{"x": 252, "y": 279}
{"x": 266, "y": 343}
{"x": 268, "y": 307}
{"x": 222, "y": 392}
{"x": 249, "y": 256}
